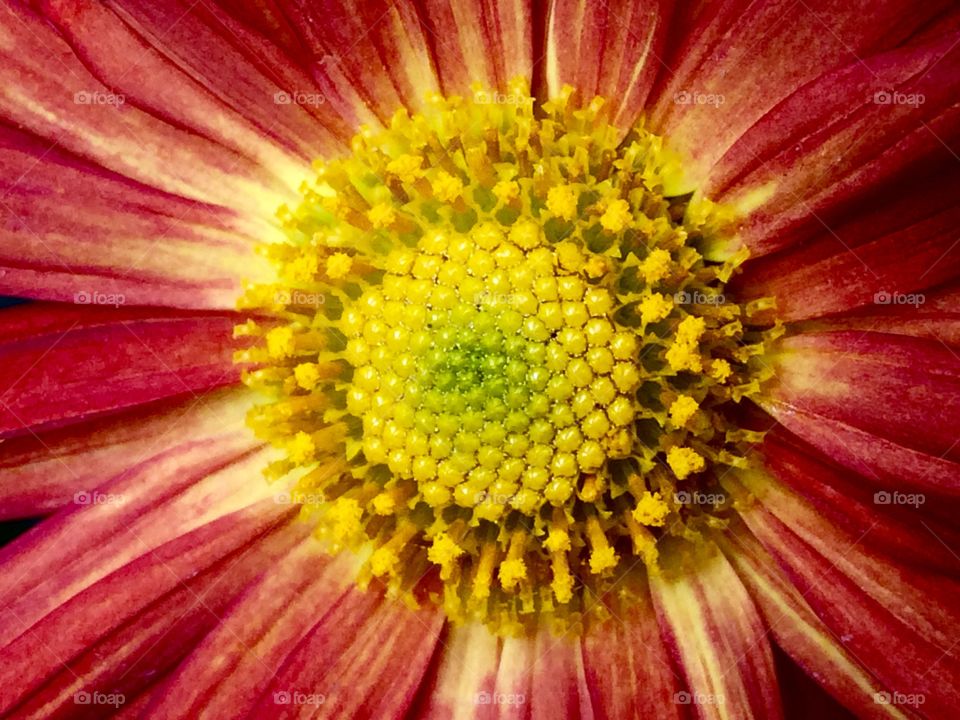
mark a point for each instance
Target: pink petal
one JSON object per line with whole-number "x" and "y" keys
{"x": 899, "y": 622}
{"x": 834, "y": 390}
{"x": 628, "y": 668}
{"x": 43, "y": 472}
{"x": 937, "y": 318}
{"x": 800, "y": 166}
{"x": 797, "y": 629}
{"x": 45, "y": 84}
{"x": 74, "y": 228}
{"x": 477, "y": 41}
{"x": 717, "y": 637}
{"x": 740, "y": 58}
{"x": 859, "y": 260}
{"x": 366, "y": 657}
{"x": 560, "y": 685}
{"x": 147, "y": 614}
{"x": 190, "y": 70}
{"x": 153, "y": 502}
{"x": 368, "y": 59}
{"x": 859, "y": 507}
{"x": 63, "y": 364}
{"x": 473, "y": 671}
{"x": 228, "y": 672}
{"x": 609, "y": 49}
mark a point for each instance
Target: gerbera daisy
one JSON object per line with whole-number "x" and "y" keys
{"x": 547, "y": 360}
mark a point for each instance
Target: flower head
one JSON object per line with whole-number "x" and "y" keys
{"x": 626, "y": 388}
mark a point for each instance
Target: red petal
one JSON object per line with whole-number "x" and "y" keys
{"x": 859, "y": 259}
{"x": 857, "y": 506}
{"x": 189, "y": 70}
{"x": 476, "y": 677}
{"x": 75, "y": 228}
{"x": 92, "y": 642}
{"x": 365, "y": 658}
{"x": 798, "y": 630}
{"x": 369, "y": 59}
{"x": 609, "y": 49}
{"x": 716, "y": 636}
{"x": 43, "y": 472}
{"x": 152, "y": 503}
{"x": 52, "y": 94}
{"x": 560, "y": 686}
{"x": 899, "y": 622}
{"x": 938, "y": 318}
{"x": 477, "y": 41}
{"x": 227, "y": 674}
{"x": 64, "y": 364}
{"x": 740, "y": 58}
{"x": 833, "y": 138}
{"x": 628, "y": 669}
{"x": 846, "y": 381}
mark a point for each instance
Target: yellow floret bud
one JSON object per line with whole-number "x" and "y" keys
{"x": 617, "y": 216}
{"x": 720, "y": 370}
{"x": 651, "y": 510}
{"x": 506, "y": 190}
{"x": 684, "y": 462}
{"x": 339, "y": 266}
{"x": 281, "y": 342}
{"x": 656, "y": 266}
{"x": 682, "y": 409}
{"x": 301, "y": 448}
{"x": 306, "y": 375}
{"x": 525, "y": 234}
{"x": 655, "y": 307}
{"x": 406, "y": 167}
{"x": 382, "y": 215}
{"x": 562, "y": 201}
{"x": 446, "y": 187}
{"x": 444, "y": 552}
{"x": 511, "y": 572}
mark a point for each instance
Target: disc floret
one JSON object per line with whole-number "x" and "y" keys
{"x": 498, "y": 356}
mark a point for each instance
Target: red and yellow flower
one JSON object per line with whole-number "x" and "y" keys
{"x": 465, "y": 360}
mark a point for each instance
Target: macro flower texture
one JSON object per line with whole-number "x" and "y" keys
{"x": 462, "y": 359}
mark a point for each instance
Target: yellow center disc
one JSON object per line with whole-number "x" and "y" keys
{"x": 499, "y": 358}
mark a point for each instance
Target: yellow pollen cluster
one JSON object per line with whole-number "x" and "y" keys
{"x": 497, "y": 357}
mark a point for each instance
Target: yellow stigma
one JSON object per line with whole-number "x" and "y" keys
{"x": 496, "y": 356}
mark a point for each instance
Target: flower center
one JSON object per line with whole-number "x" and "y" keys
{"x": 499, "y": 360}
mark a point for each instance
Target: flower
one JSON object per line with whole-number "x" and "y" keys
{"x": 601, "y": 362}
